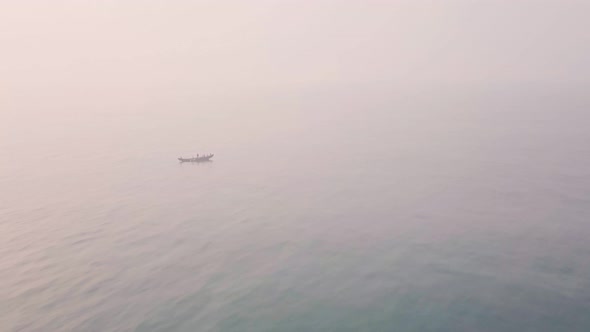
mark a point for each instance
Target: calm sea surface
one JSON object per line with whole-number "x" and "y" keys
{"x": 312, "y": 217}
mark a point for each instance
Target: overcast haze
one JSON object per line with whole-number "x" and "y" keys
{"x": 379, "y": 165}
{"x": 178, "y": 49}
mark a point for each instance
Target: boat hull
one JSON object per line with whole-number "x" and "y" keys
{"x": 195, "y": 160}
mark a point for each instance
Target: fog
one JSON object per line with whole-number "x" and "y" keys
{"x": 421, "y": 165}
{"x": 244, "y": 68}
{"x": 132, "y": 53}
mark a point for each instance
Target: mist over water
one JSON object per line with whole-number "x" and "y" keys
{"x": 385, "y": 166}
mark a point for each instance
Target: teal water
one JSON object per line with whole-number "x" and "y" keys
{"x": 438, "y": 217}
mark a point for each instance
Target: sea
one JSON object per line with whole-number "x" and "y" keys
{"x": 319, "y": 212}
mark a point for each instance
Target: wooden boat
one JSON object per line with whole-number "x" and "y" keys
{"x": 198, "y": 159}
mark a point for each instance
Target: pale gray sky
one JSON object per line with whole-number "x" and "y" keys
{"x": 107, "y": 50}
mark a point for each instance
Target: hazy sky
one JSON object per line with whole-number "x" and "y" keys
{"x": 96, "y": 49}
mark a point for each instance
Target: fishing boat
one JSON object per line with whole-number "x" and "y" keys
{"x": 197, "y": 159}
